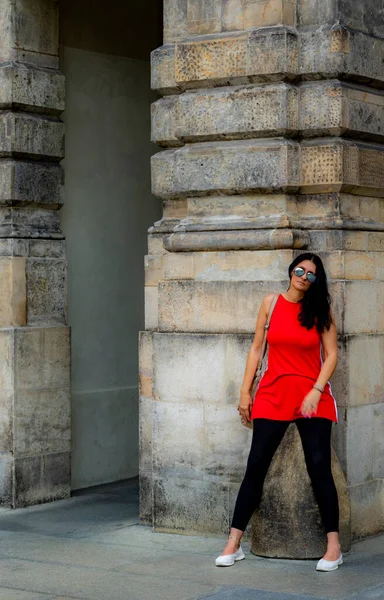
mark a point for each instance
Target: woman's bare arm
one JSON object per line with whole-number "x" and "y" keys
{"x": 329, "y": 344}
{"x": 245, "y": 404}
{"x": 330, "y": 354}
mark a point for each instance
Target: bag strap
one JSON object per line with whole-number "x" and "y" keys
{"x": 266, "y": 327}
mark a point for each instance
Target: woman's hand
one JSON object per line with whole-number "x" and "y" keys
{"x": 245, "y": 406}
{"x": 310, "y": 402}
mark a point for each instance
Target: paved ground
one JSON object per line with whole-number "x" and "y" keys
{"x": 91, "y": 547}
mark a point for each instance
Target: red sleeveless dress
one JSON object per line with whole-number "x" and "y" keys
{"x": 294, "y": 363}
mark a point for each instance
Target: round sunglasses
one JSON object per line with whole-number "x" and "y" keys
{"x": 299, "y": 272}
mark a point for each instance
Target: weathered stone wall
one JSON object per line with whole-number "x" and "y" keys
{"x": 271, "y": 122}
{"x": 34, "y": 337}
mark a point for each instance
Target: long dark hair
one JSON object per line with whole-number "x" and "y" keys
{"x": 316, "y": 303}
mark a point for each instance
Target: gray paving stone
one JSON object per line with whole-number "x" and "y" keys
{"x": 12, "y": 594}
{"x": 241, "y": 593}
{"x": 366, "y": 564}
{"x": 91, "y": 547}
{"x": 374, "y": 593}
{"x": 95, "y": 583}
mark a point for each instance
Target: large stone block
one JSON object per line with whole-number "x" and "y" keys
{"x": 146, "y": 497}
{"x": 337, "y": 108}
{"x": 359, "y": 15}
{"x": 180, "y": 265}
{"x": 366, "y": 377}
{"x": 178, "y": 439}
{"x": 145, "y": 363}
{"x": 175, "y": 20}
{"x": 42, "y": 422}
{"x": 263, "y": 13}
{"x": 42, "y": 358}
{"x": 367, "y": 508}
{"x": 190, "y": 506}
{"x": 223, "y": 460}
{"x": 241, "y": 166}
{"x": 186, "y": 18}
{"x": 31, "y": 136}
{"x": 164, "y": 122}
{"x": 316, "y": 108}
{"x": 226, "y": 113}
{"x": 6, "y": 480}
{"x": 42, "y": 479}
{"x": 266, "y": 55}
{"x": 203, "y": 16}
{"x": 337, "y": 165}
{"x": 163, "y": 70}
{"x": 41, "y": 248}
{"x": 7, "y": 362}
{"x": 145, "y": 434}
{"x": 13, "y": 309}
{"x": 339, "y": 435}
{"x": 257, "y": 56}
{"x": 214, "y": 306}
{"x": 228, "y": 266}
{"x": 30, "y": 183}
{"x": 36, "y": 32}
{"x": 262, "y": 55}
{"x": 323, "y": 166}
{"x": 151, "y": 294}
{"x": 35, "y": 90}
{"x": 207, "y": 368}
{"x": 29, "y": 222}
{"x": 340, "y": 52}
{"x": 362, "y": 310}
{"x": 360, "y": 436}
{"x": 240, "y": 212}
{"x": 6, "y": 422}
{"x": 46, "y": 291}
{"x": 337, "y": 211}
{"x": 378, "y": 439}
{"x": 153, "y": 269}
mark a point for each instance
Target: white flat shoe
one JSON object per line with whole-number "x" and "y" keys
{"x": 329, "y": 565}
{"x": 229, "y": 559}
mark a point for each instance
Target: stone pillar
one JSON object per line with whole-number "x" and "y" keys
{"x": 34, "y": 337}
{"x": 271, "y": 122}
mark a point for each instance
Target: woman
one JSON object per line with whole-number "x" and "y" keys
{"x": 294, "y": 388}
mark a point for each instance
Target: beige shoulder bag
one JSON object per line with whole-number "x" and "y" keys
{"x": 263, "y": 360}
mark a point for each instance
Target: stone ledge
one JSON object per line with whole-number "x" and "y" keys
{"x": 226, "y": 113}
{"x": 324, "y": 165}
{"x": 39, "y": 248}
{"x": 268, "y": 54}
{"x": 236, "y": 240}
{"x": 241, "y": 166}
{"x": 36, "y": 183}
{"x": 32, "y": 89}
{"x": 30, "y": 223}
{"x": 257, "y": 56}
{"x": 269, "y": 211}
{"x": 314, "y": 109}
{"x": 334, "y": 164}
{"x": 340, "y": 52}
{"x": 24, "y": 135}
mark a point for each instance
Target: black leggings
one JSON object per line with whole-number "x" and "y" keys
{"x": 315, "y": 436}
